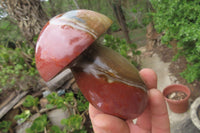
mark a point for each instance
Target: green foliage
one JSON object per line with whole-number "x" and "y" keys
{"x": 38, "y": 125}
{"x": 61, "y": 102}
{"x": 56, "y": 100}
{"x": 82, "y": 103}
{"x": 180, "y": 20}
{"x": 137, "y": 14}
{"x": 5, "y": 126}
{"x": 55, "y": 129}
{"x": 21, "y": 118}
{"x": 73, "y": 124}
{"x": 53, "y": 8}
{"x": 9, "y": 31}
{"x": 133, "y": 25}
{"x": 114, "y": 27}
{"x": 15, "y": 66}
{"x": 122, "y": 47}
{"x": 30, "y": 101}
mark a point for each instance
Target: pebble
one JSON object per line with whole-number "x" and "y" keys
{"x": 43, "y": 102}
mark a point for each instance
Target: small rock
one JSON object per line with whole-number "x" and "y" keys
{"x": 172, "y": 95}
{"x": 61, "y": 92}
{"x": 22, "y": 128}
{"x": 194, "y": 84}
{"x": 178, "y": 95}
{"x": 75, "y": 88}
{"x": 57, "y": 115}
{"x": 46, "y": 93}
{"x": 142, "y": 49}
{"x": 43, "y": 102}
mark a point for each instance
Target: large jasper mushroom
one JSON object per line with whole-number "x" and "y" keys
{"x": 107, "y": 80}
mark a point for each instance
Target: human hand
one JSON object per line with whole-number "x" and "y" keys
{"x": 153, "y": 120}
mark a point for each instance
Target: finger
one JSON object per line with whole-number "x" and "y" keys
{"x": 149, "y": 77}
{"x": 136, "y": 129}
{"x": 160, "y": 118}
{"x": 143, "y": 124}
{"x": 144, "y": 121}
{"x": 93, "y": 111}
{"x": 105, "y": 123}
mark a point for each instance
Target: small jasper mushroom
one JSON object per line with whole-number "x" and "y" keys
{"x": 107, "y": 80}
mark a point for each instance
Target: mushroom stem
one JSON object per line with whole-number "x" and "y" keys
{"x": 102, "y": 75}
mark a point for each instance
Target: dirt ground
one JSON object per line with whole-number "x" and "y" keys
{"x": 5, "y": 94}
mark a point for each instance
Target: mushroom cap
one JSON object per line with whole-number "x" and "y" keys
{"x": 65, "y": 37}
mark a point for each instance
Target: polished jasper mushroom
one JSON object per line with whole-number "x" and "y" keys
{"x": 107, "y": 80}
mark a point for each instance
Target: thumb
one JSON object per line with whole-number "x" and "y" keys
{"x": 104, "y": 123}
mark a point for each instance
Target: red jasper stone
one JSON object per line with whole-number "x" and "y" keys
{"x": 58, "y": 46}
{"x": 65, "y": 37}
